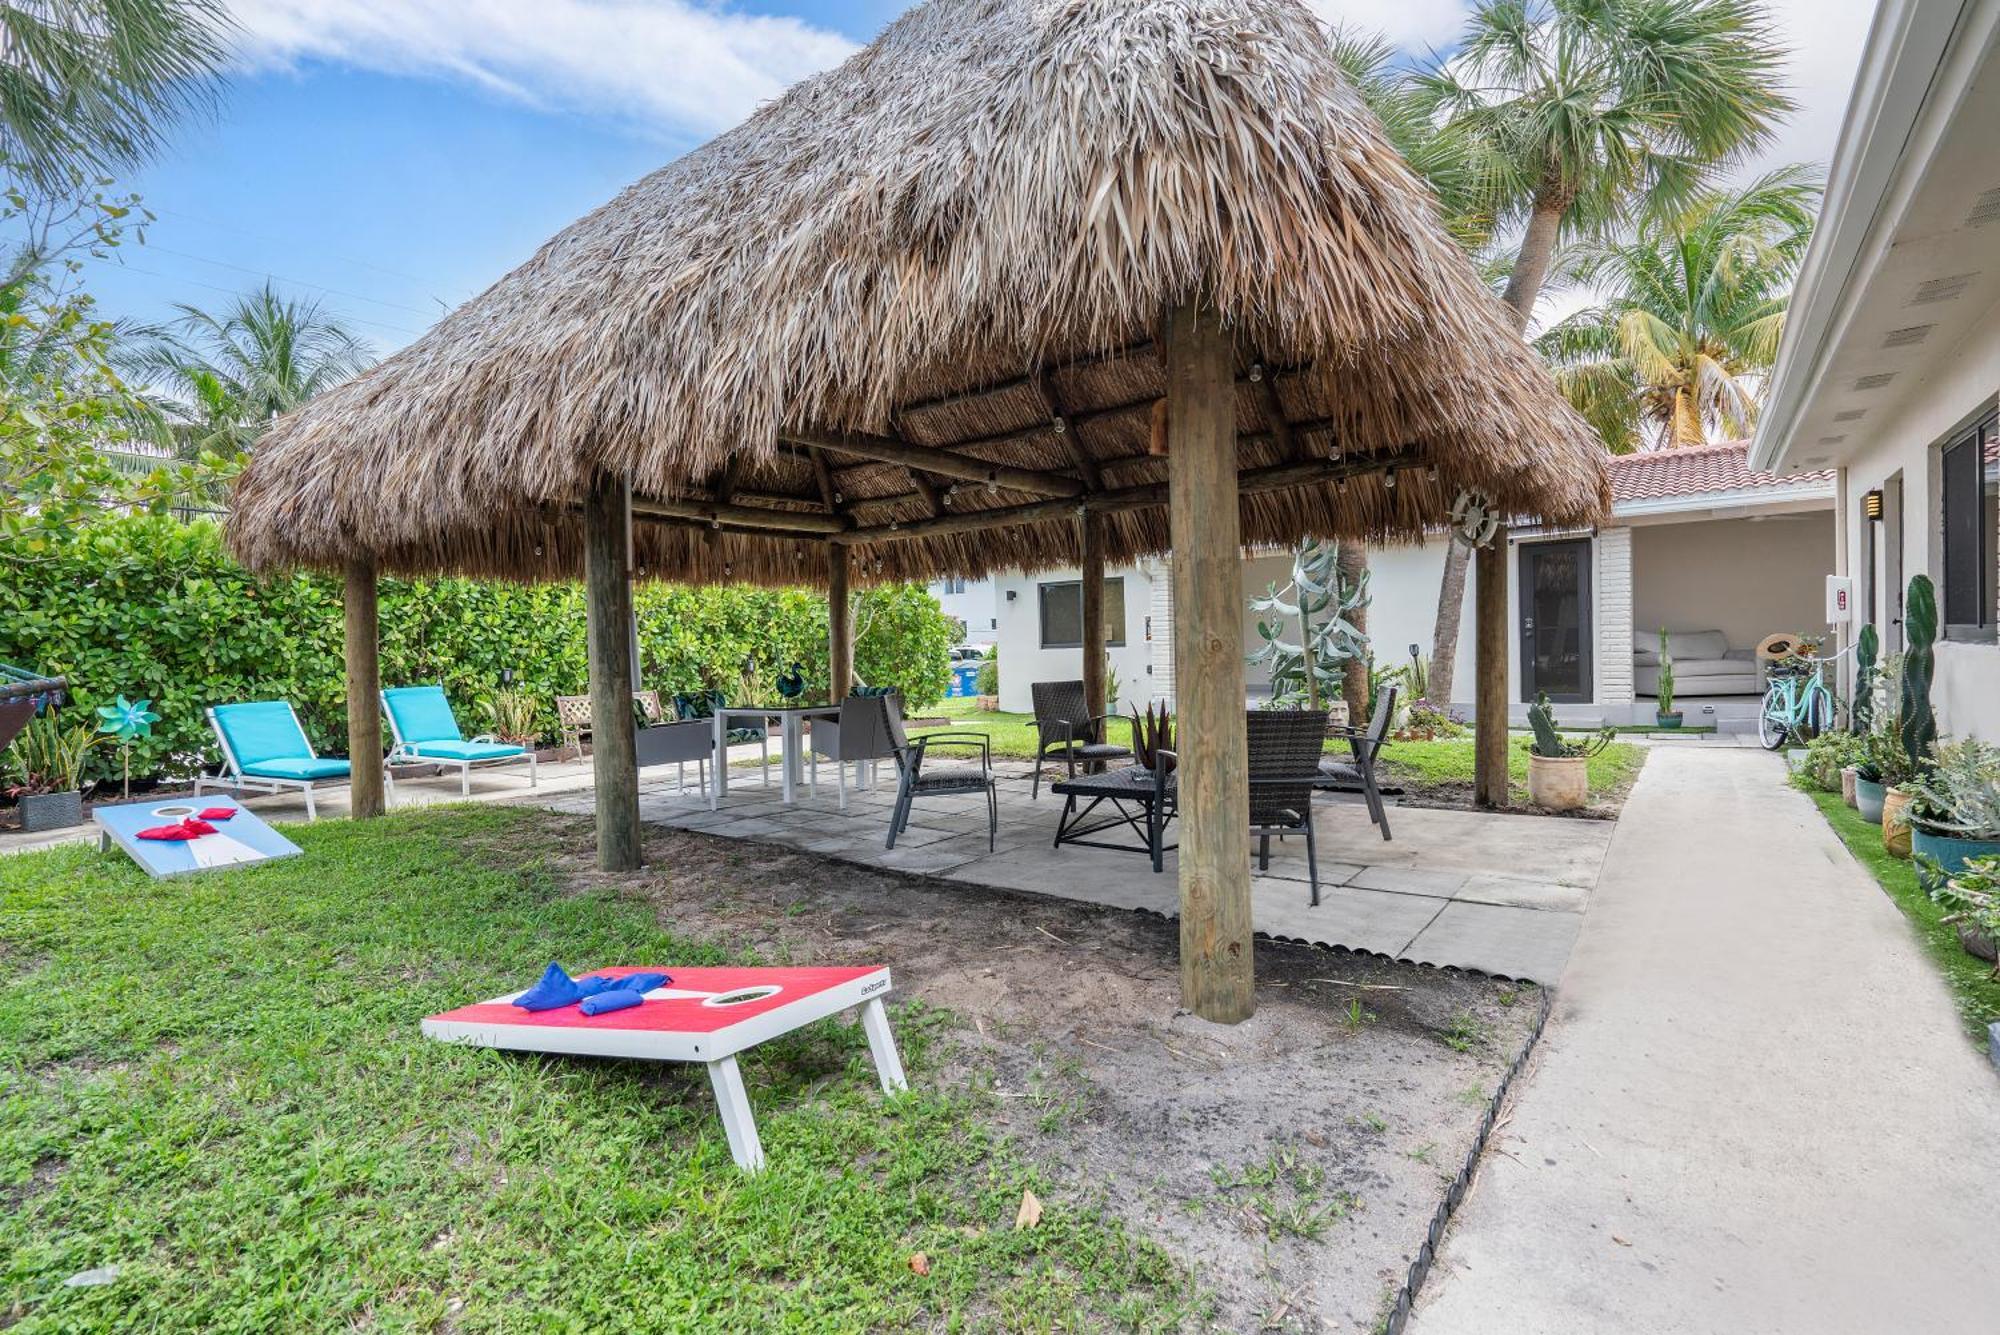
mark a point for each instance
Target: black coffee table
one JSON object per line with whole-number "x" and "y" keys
{"x": 1140, "y": 802}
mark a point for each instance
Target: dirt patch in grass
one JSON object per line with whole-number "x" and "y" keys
{"x": 1292, "y": 1162}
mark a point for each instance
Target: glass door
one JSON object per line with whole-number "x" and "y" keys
{"x": 1555, "y": 620}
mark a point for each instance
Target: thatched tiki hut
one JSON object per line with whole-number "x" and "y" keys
{"x": 1022, "y": 283}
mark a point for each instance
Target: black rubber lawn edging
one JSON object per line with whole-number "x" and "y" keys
{"x": 1420, "y": 1269}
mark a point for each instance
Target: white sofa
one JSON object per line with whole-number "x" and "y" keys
{"x": 1704, "y": 664}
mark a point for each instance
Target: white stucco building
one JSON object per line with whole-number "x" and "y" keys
{"x": 1701, "y": 545}
{"x": 1890, "y": 370}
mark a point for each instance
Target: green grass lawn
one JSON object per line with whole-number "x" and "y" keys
{"x": 1433, "y": 765}
{"x": 217, "y": 1085}
{"x": 1971, "y": 979}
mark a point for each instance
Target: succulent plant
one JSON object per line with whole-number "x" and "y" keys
{"x": 1918, "y": 727}
{"x": 1866, "y": 648}
{"x": 1153, "y": 737}
{"x": 1550, "y": 744}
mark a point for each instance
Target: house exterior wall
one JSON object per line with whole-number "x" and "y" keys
{"x": 1960, "y": 386}
{"x": 1023, "y": 661}
{"x": 974, "y": 602}
{"x": 1746, "y": 578}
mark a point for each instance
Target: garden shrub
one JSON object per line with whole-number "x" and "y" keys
{"x": 156, "y": 609}
{"x": 1828, "y": 754}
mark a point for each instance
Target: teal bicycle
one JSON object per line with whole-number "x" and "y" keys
{"x": 1798, "y": 704}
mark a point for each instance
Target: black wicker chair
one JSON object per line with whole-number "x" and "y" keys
{"x": 1065, "y": 726}
{"x": 1285, "y": 749}
{"x": 1366, "y": 744}
{"x": 913, "y": 781}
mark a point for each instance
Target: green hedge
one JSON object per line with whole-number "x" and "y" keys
{"x": 154, "y": 608}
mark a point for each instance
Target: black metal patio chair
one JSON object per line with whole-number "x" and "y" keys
{"x": 1066, "y": 727}
{"x": 1366, "y": 744}
{"x": 914, "y": 780}
{"x": 1285, "y": 749}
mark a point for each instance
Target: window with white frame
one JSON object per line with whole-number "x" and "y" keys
{"x": 1969, "y": 485}
{"x": 1062, "y": 614}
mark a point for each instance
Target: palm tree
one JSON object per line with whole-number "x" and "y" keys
{"x": 1591, "y": 113}
{"x": 86, "y": 86}
{"x": 216, "y": 382}
{"x": 1696, "y": 308}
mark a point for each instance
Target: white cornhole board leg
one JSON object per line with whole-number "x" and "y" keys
{"x": 882, "y": 1046}
{"x": 737, "y": 1121}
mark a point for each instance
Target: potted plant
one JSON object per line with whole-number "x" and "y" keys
{"x": 1664, "y": 713}
{"x": 1916, "y": 725}
{"x": 1153, "y": 738}
{"x": 1954, "y": 809}
{"x": 512, "y": 714}
{"x": 1559, "y": 768}
{"x": 1882, "y": 763}
{"x": 47, "y": 762}
{"x": 1971, "y": 898}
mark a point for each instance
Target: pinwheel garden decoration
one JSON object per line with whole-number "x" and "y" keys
{"x": 127, "y": 720}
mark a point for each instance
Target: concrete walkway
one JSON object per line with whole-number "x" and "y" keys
{"x": 1755, "y": 1108}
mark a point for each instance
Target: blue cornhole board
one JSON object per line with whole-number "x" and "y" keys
{"x": 241, "y": 841}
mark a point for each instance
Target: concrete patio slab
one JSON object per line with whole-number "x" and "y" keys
{"x": 1497, "y": 938}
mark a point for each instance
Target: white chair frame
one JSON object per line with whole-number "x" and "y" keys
{"x": 233, "y": 778}
{"x": 403, "y": 753}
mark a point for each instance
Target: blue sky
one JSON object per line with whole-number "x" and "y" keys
{"x": 393, "y": 157}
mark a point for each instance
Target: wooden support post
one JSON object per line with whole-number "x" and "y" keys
{"x": 364, "y": 691}
{"x": 1094, "y": 636}
{"x": 839, "y": 627}
{"x": 608, "y": 606}
{"x": 1489, "y": 631}
{"x": 1217, "y": 974}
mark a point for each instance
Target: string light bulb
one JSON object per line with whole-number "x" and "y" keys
{"x": 1389, "y": 479}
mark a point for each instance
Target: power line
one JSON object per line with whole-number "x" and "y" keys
{"x": 285, "y": 241}
{"x": 237, "y": 292}
{"x": 295, "y": 282}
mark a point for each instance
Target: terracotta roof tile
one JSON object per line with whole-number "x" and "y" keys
{"x": 1696, "y": 470}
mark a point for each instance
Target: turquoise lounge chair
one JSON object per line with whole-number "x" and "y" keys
{"x": 264, "y": 748}
{"x": 426, "y": 732}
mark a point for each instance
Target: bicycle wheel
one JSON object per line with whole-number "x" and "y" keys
{"x": 1772, "y": 724}
{"x": 1818, "y": 712}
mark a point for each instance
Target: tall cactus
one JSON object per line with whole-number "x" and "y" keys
{"x": 1920, "y": 624}
{"x": 1866, "y": 648}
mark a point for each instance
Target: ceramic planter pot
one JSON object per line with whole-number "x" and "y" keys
{"x": 990, "y": 703}
{"x": 1949, "y": 851}
{"x": 51, "y": 811}
{"x": 1559, "y": 783}
{"x": 1868, "y": 796}
{"x": 1672, "y": 720}
{"x": 1895, "y": 833}
{"x": 1847, "y": 784}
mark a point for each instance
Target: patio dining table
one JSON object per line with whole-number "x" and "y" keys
{"x": 1140, "y": 801}
{"x": 790, "y": 719}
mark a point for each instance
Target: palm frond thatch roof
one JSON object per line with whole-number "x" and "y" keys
{"x": 953, "y": 252}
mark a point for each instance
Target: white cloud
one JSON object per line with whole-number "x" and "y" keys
{"x": 1825, "y": 37}
{"x": 665, "y": 64}
{"x": 1410, "y": 25}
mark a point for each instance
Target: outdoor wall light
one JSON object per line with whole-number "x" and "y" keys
{"x": 1871, "y": 504}
{"x": 1012, "y": 594}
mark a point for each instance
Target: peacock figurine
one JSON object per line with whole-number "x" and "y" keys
{"x": 792, "y": 682}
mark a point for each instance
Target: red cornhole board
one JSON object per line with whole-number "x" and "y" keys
{"x": 702, "y": 1015}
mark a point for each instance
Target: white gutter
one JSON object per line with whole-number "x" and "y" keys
{"x": 1745, "y": 497}
{"x": 1906, "y": 44}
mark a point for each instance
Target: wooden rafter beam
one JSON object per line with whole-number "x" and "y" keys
{"x": 740, "y": 516}
{"x": 1145, "y": 496}
{"x": 881, "y": 449}
{"x": 1086, "y": 467}
{"x": 1265, "y": 386}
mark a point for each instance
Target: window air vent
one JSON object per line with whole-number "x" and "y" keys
{"x": 1985, "y": 209}
{"x": 1908, "y": 337}
{"x": 1814, "y": 460}
{"x": 1831, "y": 440}
{"x": 1876, "y": 381}
{"x": 1942, "y": 289}
{"x": 1851, "y": 415}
